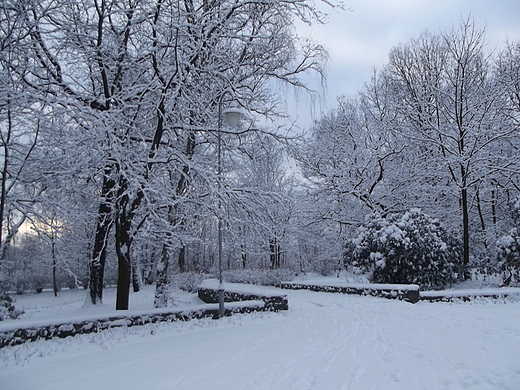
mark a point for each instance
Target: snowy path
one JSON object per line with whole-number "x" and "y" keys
{"x": 325, "y": 341}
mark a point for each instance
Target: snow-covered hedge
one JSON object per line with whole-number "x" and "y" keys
{"x": 408, "y": 248}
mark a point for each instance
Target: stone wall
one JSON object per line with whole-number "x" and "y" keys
{"x": 13, "y": 335}
{"x": 272, "y": 302}
{"x": 401, "y": 292}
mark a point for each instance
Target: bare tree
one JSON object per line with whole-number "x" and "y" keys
{"x": 448, "y": 103}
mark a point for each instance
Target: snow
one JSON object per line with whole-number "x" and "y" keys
{"x": 325, "y": 341}
{"x": 340, "y": 282}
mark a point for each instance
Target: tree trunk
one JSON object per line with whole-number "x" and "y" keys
{"x": 54, "y": 266}
{"x": 125, "y": 215}
{"x": 274, "y": 255}
{"x": 162, "y": 279}
{"x": 481, "y": 217}
{"x": 151, "y": 270}
{"x": 104, "y": 225}
{"x": 136, "y": 276}
{"x": 494, "y": 211}
{"x": 465, "y": 226}
{"x": 182, "y": 258}
{"x": 123, "y": 282}
{"x": 123, "y": 224}
{"x": 3, "y": 188}
{"x": 464, "y": 206}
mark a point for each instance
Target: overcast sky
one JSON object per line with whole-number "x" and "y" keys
{"x": 361, "y": 38}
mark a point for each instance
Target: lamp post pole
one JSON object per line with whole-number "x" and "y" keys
{"x": 233, "y": 115}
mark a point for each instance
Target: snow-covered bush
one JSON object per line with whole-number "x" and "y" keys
{"x": 406, "y": 248}
{"x": 188, "y": 281}
{"x": 508, "y": 247}
{"x": 327, "y": 267}
{"x": 515, "y": 211}
{"x": 508, "y": 252}
{"x": 7, "y": 309}
{"x": 262, "y": 277}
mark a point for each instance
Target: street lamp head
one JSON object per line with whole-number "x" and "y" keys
{"x": 233, "y": 115}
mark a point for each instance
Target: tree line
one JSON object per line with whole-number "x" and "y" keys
{"x": 437, "y": 128}
{"x": 108, "y": 115}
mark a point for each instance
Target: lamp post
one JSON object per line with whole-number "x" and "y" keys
{"x": 233, "y": 115}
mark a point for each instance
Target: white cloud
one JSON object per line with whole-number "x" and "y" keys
{"x": 360, "y": 39}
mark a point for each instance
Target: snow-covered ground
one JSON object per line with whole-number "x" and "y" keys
{"x": 325, "y": 341}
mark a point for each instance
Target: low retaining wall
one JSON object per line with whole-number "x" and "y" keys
{"x": 273, "y": 302}
{"x": 408, "y": 293}
{"x": 14, "y": 334}
{"x": 471, "y": 295}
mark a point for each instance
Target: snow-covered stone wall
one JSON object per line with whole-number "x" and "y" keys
{"x": 14, "y": 333}
{"x": 408, "y": 293}
{"x": 272, "y": 301}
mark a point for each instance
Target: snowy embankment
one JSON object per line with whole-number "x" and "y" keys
{"x": 324, "y": 341}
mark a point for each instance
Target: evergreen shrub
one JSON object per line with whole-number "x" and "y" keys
{"x": 508, "y": 247}
{"x": 406, "y": 248}
{"x": 508, "y": 253}
{"x": 7, "y": 309}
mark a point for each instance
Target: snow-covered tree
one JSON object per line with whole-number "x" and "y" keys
{"x": 435, "y": 129}
{"x": 262, "y": 208}
{"x": 447, "y": 100}
{"x": 134, "y": 88}
{"x": 346, "y": 163}
{"x": 19, "y": 126}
